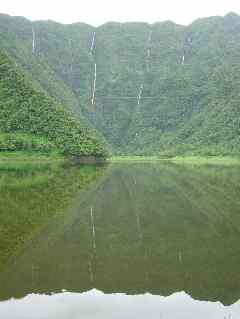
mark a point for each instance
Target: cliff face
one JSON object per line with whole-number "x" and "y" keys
{"x": 147, "y": 88}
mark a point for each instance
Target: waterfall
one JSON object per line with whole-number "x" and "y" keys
{"x": 33, "y": 41}
{"x": 71, "y": 61}
{"x": 140, "y": 94}
{"x": 94, "y": 83}
{"x": 149, "y": 44}
{"x": 149, "y": 41}
{"x": 92, "y": 42}
{"x": 183, "y": 59}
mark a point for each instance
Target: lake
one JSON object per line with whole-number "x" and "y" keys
{"x": 120, "y": 241}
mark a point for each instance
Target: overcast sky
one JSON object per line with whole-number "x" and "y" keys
{"x": 97, "y": 12}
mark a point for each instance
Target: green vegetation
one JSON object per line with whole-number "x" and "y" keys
{"x": 31, "y": 121}
{"x": 190, "y": 99}
{"x": 204, "y": 160}
{"x": 129, "y": 159}
{"x": 195, "y": 160}
{"x": 25, "y": 142}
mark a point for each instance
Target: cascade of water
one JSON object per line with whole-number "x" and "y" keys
{"x": 149, "y": 44}
{"x": 183, "y": 59}
{"x": 92, "y": 42}
{"x": 140, "y": 94}
{"x": 33, "y": 41}
{"x": 94, "y": 83}
{"x": 149, "y": 41}
{"x": 70, "y": 51}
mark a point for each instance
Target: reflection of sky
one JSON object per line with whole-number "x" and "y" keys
{"x": 95, "y": 304}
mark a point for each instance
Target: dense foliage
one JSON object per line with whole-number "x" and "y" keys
{"x": 25, "y": 142}
{"x": 190, "y": 77}
{"x": 24, "y": 110}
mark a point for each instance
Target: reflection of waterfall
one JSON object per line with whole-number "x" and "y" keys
{"x": 33, "y": 41}
{"x": 140, "y": 94}
{"x": 92, "y": 42}
{"x": 139, "y": 228}
{"x": 94, "y": 83}
{"x": 93, "y": 229}
{"x": 180, "y": 257}
{"x": 92, "y": 257}
{"x": 90, "y": 269}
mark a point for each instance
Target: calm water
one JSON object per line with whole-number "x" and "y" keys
{"x": 129, "y": 229}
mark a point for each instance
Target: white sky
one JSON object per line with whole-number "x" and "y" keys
{"x": 97, "y": 12}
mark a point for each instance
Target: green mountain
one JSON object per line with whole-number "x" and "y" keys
{"x": 160, "y": 88}
{"x": 30, "y": 120}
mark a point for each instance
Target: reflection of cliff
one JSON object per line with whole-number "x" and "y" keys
{"x": 30, "y": 199}
{"x": 158, "y": 228}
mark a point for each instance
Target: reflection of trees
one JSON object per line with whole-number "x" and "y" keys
{"x": 158, "y": 228}
{"x": 30, "y": 199}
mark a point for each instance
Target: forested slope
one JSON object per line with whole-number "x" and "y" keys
{"x": 30, "y": 120}
{"x": 160, "y": 88}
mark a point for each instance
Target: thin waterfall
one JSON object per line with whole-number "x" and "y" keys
{"x": 92, "y": 42}
{"x": 70, "y": 50}
{"x": 140, "y": 94}
{"x": 149, "y": 44}
{"x": 33, "y": 41}
{"x": 183, "y": 59}
{"x": 149, "y": 41}
{"x": 94, "y": 83}
{"x": 93, "y": 229}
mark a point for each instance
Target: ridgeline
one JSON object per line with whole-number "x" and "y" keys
{"x": 147, "y": 89}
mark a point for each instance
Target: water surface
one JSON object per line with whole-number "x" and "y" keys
{"x": 130, "y": 229}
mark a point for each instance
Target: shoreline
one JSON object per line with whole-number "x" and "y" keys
{"x": 24, "y": 158}
{"x": 194, "y": 160}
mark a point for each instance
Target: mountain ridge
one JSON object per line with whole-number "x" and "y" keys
{"x": 230, "y": 14}
{"x": 158, "y": 88}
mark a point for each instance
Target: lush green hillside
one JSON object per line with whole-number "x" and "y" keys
{"x": 29, "y": 120}
{"x": 161, "y": 88}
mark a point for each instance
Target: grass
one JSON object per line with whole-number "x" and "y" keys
{"x": 26, "y": 160}
{"x": 194, "y": 160}
{"x": 127, "y": 159}
{"x": 203, "y": 160}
